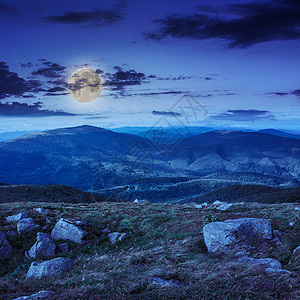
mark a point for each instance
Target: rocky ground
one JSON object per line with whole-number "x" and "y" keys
{"x": 151, "y": 251}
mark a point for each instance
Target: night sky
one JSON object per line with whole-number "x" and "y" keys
{"x": 217, "y": 63}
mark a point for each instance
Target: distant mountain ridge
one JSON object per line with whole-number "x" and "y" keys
{"x": 125, "y": 165}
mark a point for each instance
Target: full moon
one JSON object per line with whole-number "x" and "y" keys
{"x": 85, "y": 85}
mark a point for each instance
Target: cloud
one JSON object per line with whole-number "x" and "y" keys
{"x": 51, "y": 70}
{"x": 94, "y": 18}
{"x": 244, "y": 115}
{"x": 252, "y": 23}
{"x": 120, "y": 79}
{"x": 17, "y": 109}
{"x": 13, "y": 85}
{"x": 166, "y": 113}
{"x": 293, "y": 93}
{"x": 173, "y": 78}
{"x": 159, "y": 93}
{"x": 296, "y": 93}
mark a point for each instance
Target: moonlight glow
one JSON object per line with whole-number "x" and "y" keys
{"x": 85, "y": 85}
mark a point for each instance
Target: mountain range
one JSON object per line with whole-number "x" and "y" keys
{"x": 128, "y": 166}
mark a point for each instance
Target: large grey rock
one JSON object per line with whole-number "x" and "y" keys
{"x": 238, "y": 234}
{"x": 116, "y": 237}
{"x": 56, "y": 266}
{"x": 5, "y": 247}
{"x": 44, "y": 247}
{"x": 46, "y": 295}
{"x": 261, "y": 262}
{"x": 17, "y": 217}
{"x": 68, "y": 230}
{"x": 26, "y": 225}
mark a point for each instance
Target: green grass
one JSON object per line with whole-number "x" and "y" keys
{"x": 163, "y": 241}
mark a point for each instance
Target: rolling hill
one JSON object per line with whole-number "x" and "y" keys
{"x": 128, "y": 166}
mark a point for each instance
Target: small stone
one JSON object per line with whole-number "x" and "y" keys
{"x": 17, "y": 217}
{"x": 139, "y": 201}
{"x": 5, "y": 247}
{"x": 296, "y": 251}
{"x": 224, "y": 206}
{"x": 116, "y": 237}
{"x": 295, "y": 258}
{"x": 105, "y": 231}
{"x": 53, "y": 267}
{"x": 217, "y": 202}
{"x": 166, "y": 282}
{"x": 297, "y": 208}
{"x": 26, "y": 225}
{"x": 41, "y": 210}
{"x": 261, "y": 262}
{"x": 198, "y": 206}
{"x": 80, "y": 223}
{"x": 277, "y": 272}
{"x": 47, "y": 295}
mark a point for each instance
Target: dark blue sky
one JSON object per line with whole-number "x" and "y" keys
{"x": 210, "y": 63}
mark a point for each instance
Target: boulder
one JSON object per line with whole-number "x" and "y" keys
{"x": 68, "y": 230}
{"x": 237, "y": 234}
{"x": 116, "y": 237}
{"x": 17, "y": 217}
{"x": 47, "y": 295}
{"x": 5, "y": 247}
{"x": 44, "y": 247}
{"x": 26, "y": 225}
{"x": 53, "y": 267}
